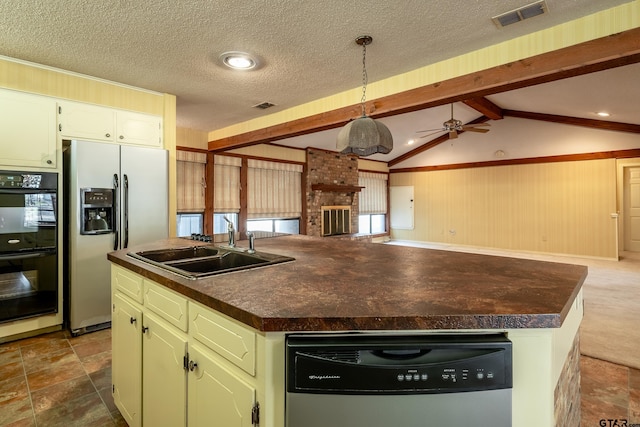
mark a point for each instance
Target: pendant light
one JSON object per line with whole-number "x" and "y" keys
{"x": 364, "y": 136}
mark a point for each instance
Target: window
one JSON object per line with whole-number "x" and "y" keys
{"x": 191, "y": 185}
{"x": 274, "y": 190}
{"x": 290, "y": 226}
{"x": 274, "y": 199}
{"x": 226, "y": 199}
{"x": 373, "y": 202}
{"x": 220, "y": 225}
{"x": 189, "y": 223}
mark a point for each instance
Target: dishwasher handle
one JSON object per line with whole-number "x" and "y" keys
{"x": 400, "y": 354}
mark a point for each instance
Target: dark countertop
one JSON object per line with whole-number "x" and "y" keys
{"x": 337, "y": 285}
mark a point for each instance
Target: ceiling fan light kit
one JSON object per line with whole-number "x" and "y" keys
{"x": 364, "y": 136}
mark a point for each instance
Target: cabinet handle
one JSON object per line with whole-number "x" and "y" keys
{"x": 132, "y": 320}
{"x": 108, "y": 135}
{"x": 192, "y": 365}
{"x": 145, "y": 329}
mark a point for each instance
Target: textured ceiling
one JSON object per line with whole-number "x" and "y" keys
{"x": 306, "y": 47}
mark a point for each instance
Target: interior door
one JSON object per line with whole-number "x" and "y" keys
{"x": 632, "y": 209}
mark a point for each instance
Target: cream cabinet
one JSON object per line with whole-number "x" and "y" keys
{"x": 126, "y": 355}
{"x": 85, "y": 121}
{"x": 218, "y": 397}
{"x": 27, "y": 130}
{"x": 176, "y": 362}
{"x": 164, "y": 381}
{"x": 149, "y": 374}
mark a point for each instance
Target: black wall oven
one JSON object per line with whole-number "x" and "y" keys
{"x": 28, "y": 244}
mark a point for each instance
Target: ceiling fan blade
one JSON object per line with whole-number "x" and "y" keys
{"x": 476, "y": 130}
{"x": 429, "y": 134}
{"x": 475, "y": 125}
{"x": 431, "y": 130}
{"x": 453, "y": 134}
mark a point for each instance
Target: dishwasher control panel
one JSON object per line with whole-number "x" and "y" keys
{"x": 398, "y": 364}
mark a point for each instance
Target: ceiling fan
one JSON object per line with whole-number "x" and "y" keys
{"x": 453, "y": 126}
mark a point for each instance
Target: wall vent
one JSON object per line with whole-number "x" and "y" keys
{"x": 264, "y": 105}
{"x": 520, "y": 14}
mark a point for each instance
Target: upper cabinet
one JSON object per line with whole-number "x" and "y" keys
{"x": 137, "y": 128}
{"x": 84, "y": 121}
{"x": 27, "y": 130}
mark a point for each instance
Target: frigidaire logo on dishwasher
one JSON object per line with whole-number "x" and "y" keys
{"x": 324, "y": 377}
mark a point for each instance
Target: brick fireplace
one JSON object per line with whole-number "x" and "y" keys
{"x": 331, "y": 180}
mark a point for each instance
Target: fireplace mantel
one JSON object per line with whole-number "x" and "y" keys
{"x": 336, "y": 188}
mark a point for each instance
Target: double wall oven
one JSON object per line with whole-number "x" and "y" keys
{"x": 28, "y": 244}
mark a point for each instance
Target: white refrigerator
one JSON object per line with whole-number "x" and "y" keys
{"x": 125, "y": 191}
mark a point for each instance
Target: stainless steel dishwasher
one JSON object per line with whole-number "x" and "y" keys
{"x": 370, "y": 380}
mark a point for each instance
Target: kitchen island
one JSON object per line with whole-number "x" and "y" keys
{"x": 239, "y": 320}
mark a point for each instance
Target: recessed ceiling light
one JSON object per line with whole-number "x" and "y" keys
{"x": 238, "y": 60}
{"x": 410, "y": 142}
{"x": 603, "y": 114}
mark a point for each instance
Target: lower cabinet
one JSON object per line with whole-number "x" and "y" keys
{"x": 126, "y": 358}
{"x": 162, "y": 375}
{"x": 164, "y": 379}
{"x": 217, "y": 397}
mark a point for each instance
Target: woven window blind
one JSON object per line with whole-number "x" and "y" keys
{"x": 274, "y": 189}
{"x": 373, "y": 197}
{"x": 190, "y": 181}
{"x": 226, "y": 184}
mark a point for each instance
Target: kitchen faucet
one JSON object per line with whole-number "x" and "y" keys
{"x": 232, "y": 238}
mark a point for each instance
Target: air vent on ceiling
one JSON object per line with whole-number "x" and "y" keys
{"x": 264, "y": 105}
{"x": 520, "y": 14}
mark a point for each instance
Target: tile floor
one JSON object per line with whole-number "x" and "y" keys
{"x": 59, "y": 380}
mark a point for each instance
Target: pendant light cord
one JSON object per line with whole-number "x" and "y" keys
{"x": 365, "y": 78}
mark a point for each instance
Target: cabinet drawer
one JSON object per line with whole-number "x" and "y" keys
{"x": 167, "y": 304}
{"x": 127, "y": 282}
{"x": 228, "y": 338}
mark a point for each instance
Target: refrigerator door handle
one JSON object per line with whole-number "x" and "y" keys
{"x": 116, "y": 184}
{"x": 125, "y": 183}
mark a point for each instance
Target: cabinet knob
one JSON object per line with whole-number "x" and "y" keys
{"x": 108, "y": 135}
{"x": 49, "y": 162}
{"x": 132, "y": 320}
{"x": 144, "y": 329}
{"x": 121, "y": 137}
{"x": 192, "y": 365}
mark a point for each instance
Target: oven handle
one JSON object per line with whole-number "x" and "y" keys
{"x": 115, "y": 211}
{"x": 15, "y": 257}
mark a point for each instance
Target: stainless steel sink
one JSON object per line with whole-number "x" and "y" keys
{"x": 196, "y": 262}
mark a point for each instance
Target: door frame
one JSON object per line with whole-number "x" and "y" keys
{"x": 621, "y": 165}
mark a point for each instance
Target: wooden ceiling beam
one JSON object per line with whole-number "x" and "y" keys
{"x": 485, "y": 107}
{"x": 576, "y": 121}
{"x": 596, "y": 55}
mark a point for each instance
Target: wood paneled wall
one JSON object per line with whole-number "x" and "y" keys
{"x": 562, "y": 208}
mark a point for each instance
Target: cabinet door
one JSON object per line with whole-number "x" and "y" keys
{"x": 164, "y": 378}
{"x": 27, "y": 130}
{"x": 140, "y": 129}
{"x": 218, "y": 397}
{"x": 84, "y": 121}
{"x": 126, "y": 368}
